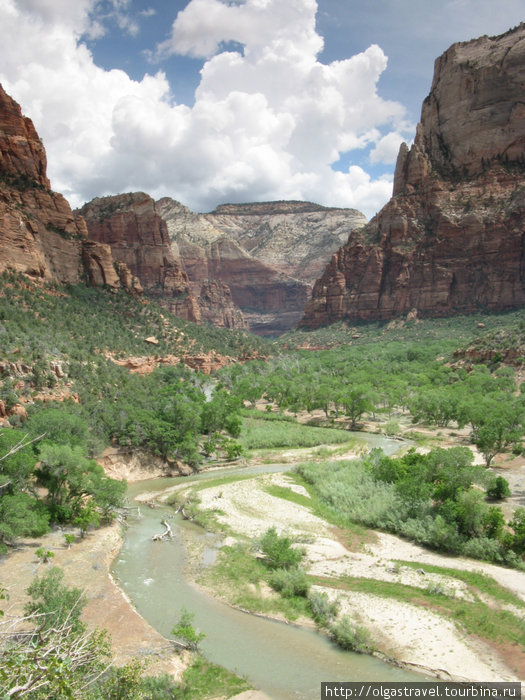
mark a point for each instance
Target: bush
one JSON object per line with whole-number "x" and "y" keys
{"x": 484, "y": 548}
{"x": 499, "y": 489}
{"x": 185, "y": 631}
{"x": 323, "y": 610}
{"x": 351, "y": 637}
{"x": 290, "y": 582}
{"x": 279, "y": 551}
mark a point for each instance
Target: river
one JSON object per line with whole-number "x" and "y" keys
{"x": 286, "y": 662}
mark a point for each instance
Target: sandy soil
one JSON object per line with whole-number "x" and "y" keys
{"x": 412, "y": 635}
{"x": 86, "y": 565}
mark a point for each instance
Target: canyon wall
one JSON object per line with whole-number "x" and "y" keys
{"x": 267, "y": 254}
{"x": 452, "y": 238}
{"x": 132, "y": 225}
{"x": 39, "y": 236}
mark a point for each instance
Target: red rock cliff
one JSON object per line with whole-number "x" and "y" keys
{"x": 452, "y": 238}
{"x": 131, "y": 226}
{"x": 38, "y": 234}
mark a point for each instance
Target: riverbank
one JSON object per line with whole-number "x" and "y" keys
{"x": 414, "y": 636}
{"x": 87, "y": 565}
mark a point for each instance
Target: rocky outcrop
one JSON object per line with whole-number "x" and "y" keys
{"x": 137, "y": 236}
{"x": 39, "y": 236}
{"x": 451, "y": 240}
{"x": 217, "y": 307}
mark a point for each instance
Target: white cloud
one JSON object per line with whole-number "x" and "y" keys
{"x": 267, "y": 122}
{"x": 387, "y": 148}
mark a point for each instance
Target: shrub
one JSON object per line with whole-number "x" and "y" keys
{"x": 323, "y": 610}
{"x": 185, "y": 631}
{"x": 484, "y": 548}
{"x": 279, "y": 551}
{"x": 498, "y": 489}
{"x": 290, "y": 582}
{"x": 351, "y": 637}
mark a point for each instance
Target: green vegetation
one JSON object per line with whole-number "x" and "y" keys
{"x": 47, "y": 474}
{"x": 278, "y": 551}
{"x": 120, "y": 325}
{"x": 261, "y": 433}
{"x": 243, "y": 579}
{"x": 475, "y": 617}
{"x": 204, "y": 680}
{"x": 477, "y": 582}
{"x": 59, "y": 359}
{"x": 185, "y": 631}
{"x": 350, "y": 636}
{"x": 435, "y": 499}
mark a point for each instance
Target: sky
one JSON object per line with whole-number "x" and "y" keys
{"x": 215, "y": 101}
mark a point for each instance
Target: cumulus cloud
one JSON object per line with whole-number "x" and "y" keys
{"x": 387, "y": 148}
{"x": 269, "y": 119}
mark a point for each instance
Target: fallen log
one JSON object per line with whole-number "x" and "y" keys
{"x": 167, "y": 533}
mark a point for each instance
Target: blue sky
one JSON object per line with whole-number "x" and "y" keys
{"x": 210, "y": 101}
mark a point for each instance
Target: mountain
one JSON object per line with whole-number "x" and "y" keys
{"x": 271, "y": 301}
{"x": 243, "y": 265}
{"x": 451, "y": 238}
{"x": 268, "y": 254}
{"x": 39, "y": 235}
{"x": 295, "y": 238}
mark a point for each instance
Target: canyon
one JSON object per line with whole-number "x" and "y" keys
{"x": 451, "y": 238}
{"x": 449, "y": 241}
{"x": 240, "y": 266}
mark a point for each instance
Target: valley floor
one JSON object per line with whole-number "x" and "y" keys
{"x": 409, "y": 632}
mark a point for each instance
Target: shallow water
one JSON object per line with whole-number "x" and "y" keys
{"x": 285, "y": 661}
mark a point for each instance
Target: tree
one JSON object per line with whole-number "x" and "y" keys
{"x": 497, "y": 421}
{"x": 72, "y": 481}
{"x": 185, "y": 631}
{"x": 55, "y": 602}
{"x": 21, "y": 515}
{"x": 355, "y": 401}
{"x": 498, "y": 489}
{"x": 518, "y": 525}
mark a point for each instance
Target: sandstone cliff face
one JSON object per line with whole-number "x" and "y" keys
{"x": 39, "y": 235}
{"x": 217, "y": 307}
{"x": 451, "y": 239}
{"x": 130, "y": 225}
{"x": 295, "y": 238}
{"x": 133, "y": 226}
{"x": 267, "y": 254}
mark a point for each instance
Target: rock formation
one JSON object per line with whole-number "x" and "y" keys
{"x": 268, "y": 255}
{"x": 217, "y": 307}
{"x": 295, "y": 238}
{"x": 131, "y": 226}
{"x": 39, "y": 235}
{"x": 451, "y": 239}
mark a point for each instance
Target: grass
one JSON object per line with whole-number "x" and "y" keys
{"x": 204, "y": 679}
{"x": 289, "y": 495}
{"x": 259, "y": 433}
{"x": 478, "y": 582}
{"x": 241, "y": 578}
{"x": 474, "y": 617}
